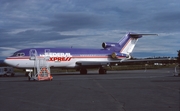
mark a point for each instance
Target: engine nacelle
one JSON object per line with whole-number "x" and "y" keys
{"x": 108, "y": 45}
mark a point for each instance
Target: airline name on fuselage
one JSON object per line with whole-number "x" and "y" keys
{"x": 58, "y": 56}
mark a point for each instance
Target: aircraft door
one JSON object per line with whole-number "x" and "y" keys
{"x": 46, "y": 51}
{"x": 33, "y": 53}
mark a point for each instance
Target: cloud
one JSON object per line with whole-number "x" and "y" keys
{"x": 25, "y": 38}
{"x": 32, "y": 23}
{"x": 75, "y": 20}
{"x": 7, "y": 51}
{"x": 167, "y": 22}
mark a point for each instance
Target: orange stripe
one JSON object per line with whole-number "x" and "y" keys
{"x": 125, "y": 45}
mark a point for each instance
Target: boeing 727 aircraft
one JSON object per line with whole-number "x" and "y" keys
{"x": 112, "y": 53}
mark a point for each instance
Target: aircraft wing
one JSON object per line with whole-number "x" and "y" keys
{"x": 88, "y": 63}
{"x": 97, "y": 63}
{"x": 144, "y": 60}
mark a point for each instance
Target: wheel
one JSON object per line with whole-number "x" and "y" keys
{"x": 102, "y": 71}
{"x": 26, "y": 74}
{"x": 83, "y": 71}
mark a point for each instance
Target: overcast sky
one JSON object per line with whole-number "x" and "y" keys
{"x": 88, "y": 23}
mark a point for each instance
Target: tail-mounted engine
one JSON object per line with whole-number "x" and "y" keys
{"x": 108, "y": 45}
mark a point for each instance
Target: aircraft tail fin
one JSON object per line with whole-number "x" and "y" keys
{"x": 128, "y": 42}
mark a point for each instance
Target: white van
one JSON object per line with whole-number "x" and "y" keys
{"x": 6, "y": 71}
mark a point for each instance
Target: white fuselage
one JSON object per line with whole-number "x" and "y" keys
{"x": 27, "y": 62}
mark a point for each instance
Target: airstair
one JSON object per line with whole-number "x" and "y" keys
{"x": 41, "y": 67}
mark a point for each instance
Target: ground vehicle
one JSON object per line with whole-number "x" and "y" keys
{"x": 6, "y": 71}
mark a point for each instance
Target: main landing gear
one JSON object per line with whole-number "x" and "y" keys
{"x": 101, "y": 70}
{"x": 83, "y": 71}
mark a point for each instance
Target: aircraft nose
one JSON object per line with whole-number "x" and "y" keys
{"x": 6, "y": 61}
{"x": 10, "y": 62}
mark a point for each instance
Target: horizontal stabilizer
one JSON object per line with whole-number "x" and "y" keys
{"x": 140, "y": 35}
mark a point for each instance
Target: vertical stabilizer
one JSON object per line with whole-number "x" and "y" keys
{"x": 128, "y": 42}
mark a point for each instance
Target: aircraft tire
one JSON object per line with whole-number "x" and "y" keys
{"x": 83, "y": 71}
{"x": 102, "y": 71}
{"x": 26, "y": 74}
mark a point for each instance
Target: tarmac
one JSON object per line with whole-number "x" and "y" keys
{"x": 136, "y": 90}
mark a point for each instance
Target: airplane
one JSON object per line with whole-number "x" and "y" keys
{"x": 80, "y": 59}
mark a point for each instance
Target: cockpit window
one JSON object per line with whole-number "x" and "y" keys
{"x": 19, "y": 54}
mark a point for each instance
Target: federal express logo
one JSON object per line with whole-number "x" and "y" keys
{"x": 57, "y": 56}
